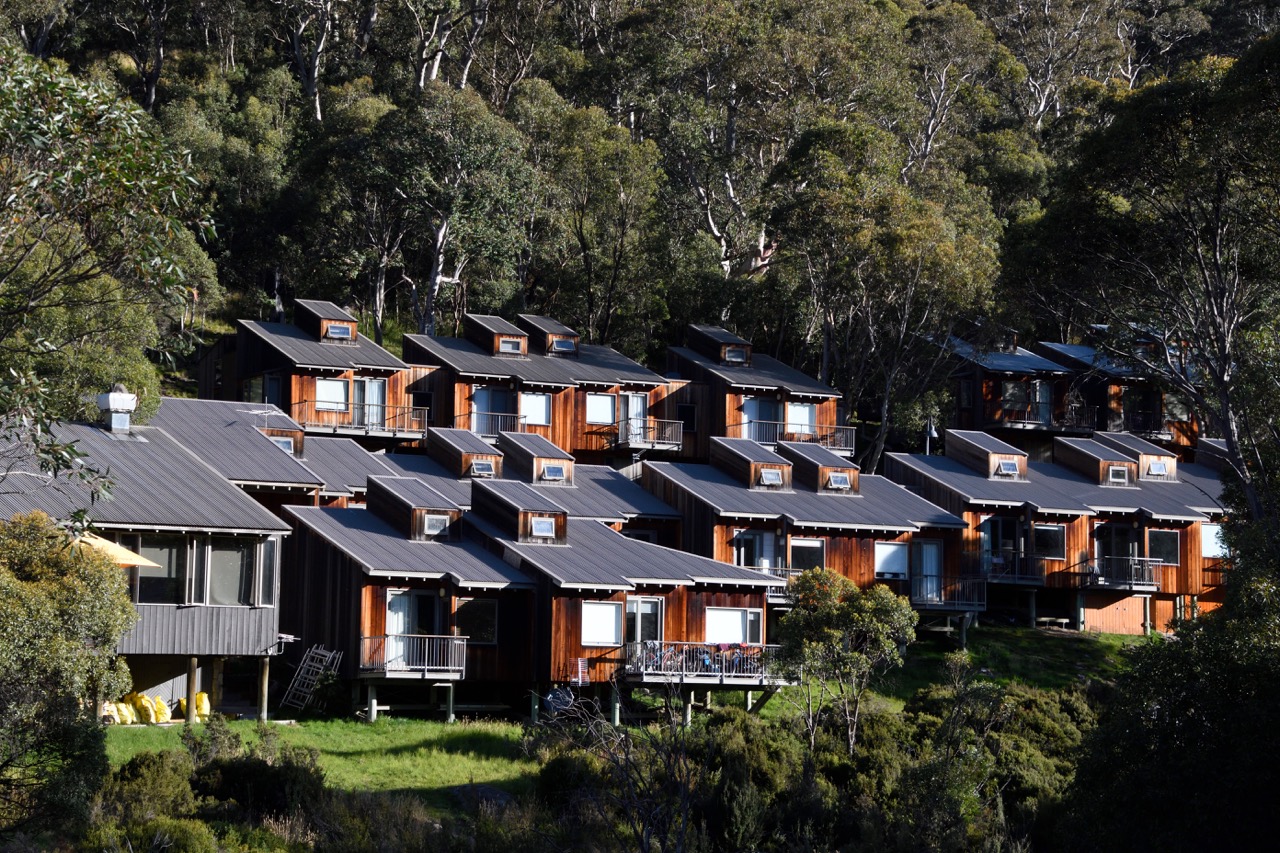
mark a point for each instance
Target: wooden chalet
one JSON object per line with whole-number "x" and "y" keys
{"x": 1024, "y": 398}
{"x": 1115, "y": 535}
{"x": 721, "y": 387}
{"x": 804, "y": 507}
{"x": 538, "y": 377}
{"x": 323, "y": 374}
{"x": 1123, "y": 398}
{"x": 208, "y": 589}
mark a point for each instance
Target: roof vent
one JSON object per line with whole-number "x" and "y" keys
{"x": 116, "y": 406}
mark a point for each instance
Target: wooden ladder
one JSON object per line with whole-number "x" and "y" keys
{"x": 315, "y": 663}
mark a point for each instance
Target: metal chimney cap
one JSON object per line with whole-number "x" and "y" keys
{"x": 117, "y": 400}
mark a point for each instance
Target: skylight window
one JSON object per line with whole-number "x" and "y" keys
{"x": 553, "y": 472}
{"x": 511, "y": 346}
{"x": 839, "y": 481}
{"x": 1007, "y": 468}
{"x": 338, "y": 333}
{"x": 283, "y": 442}
{"x": 770, "y": 477}
{"x": 544, "y": 528}
{"x": 1117, "y": 475}
{"x": 564, "y": 346}
{"x": 735, "y": 355}
{"x": 433, "y": 525}
{"x": 482, "y": 468}
{"x": 1158, "y": 468}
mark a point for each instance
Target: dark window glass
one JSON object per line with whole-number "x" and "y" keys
{"x": 477, "y": 620}
{"x": 230, "y": 571}
{"x": 162, "y": 585}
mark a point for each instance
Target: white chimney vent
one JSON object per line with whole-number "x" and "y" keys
{"x": 116, "y": 406}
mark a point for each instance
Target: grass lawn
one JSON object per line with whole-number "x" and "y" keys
{"x": 411, "y": 756}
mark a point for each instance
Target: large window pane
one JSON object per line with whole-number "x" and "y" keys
{"x": 331, "y": 395}
{"x": 891, "y": 559}
{"x": 162, "y": 585}
{"x": 1163, "y": 545}
{"x": 808, "y": 554}
{"x": 644, "y": 619}
{"x": 601, "y": 409}
{"x": 734, "y": 625}
{"x": 536, "y": 408}
{"x": 601, "y": 623}
{"x": 267, "y": 582}
{"x": 477, "y": 620}
{"x": 1211, "y": 541}
{"x": 1050, "y": 541}
{"x": 230, "y": 571}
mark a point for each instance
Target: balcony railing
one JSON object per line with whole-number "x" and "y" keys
{"x": 1216, "y": 575}
{"x": 489, "y": 424}
{"x": 650, "y": 433}
{"x": 1008, "y": 567}
{"x": 368, "y": 419}
{"x": 1127, "y": 573}
{"x": 780, "y": 592}
{"x": 1144, "y": 422}
{"x": 706, "y": 663}
{"x": 414, "y": 655}
{"x": 1041, "y": 415}
{"x": 942, "y": 593}
{"x": 830, "y": 436}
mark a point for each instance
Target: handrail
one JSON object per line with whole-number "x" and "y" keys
{"x": 1042, "y": 414}
{"x": 649, "y": 431}
{"x": 369, "y": 417}
{"x": 492, "y": 423}
{"x": 832, "y": 436}
{"x": 950, "y": 592}
{"x": 1007, "y": 566}
{"x": 1119, "y": 572}
{"x": 423, "y": 653}
{"x": 708, "y": 661}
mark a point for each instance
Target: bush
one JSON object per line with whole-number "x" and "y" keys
{"x": 151, "y": 785}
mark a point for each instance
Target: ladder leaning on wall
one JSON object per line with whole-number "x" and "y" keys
{"x": 315, "y": 663}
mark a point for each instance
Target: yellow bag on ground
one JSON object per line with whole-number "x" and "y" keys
{"x": 163, "y": 714}
{"x": 182, "y": 707}
{"x": 110, "y": 715}
{"x": 146, "y": 711}
{"x": 202, "y": 706}
{"x": 124, "y": 708}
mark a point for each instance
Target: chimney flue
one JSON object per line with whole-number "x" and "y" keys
{"x": 116, "y": 407}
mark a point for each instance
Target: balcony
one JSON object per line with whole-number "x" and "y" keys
{"x": 414, "y": 656}
{"x": 1216, "y": 575}
{"x": 1132, "y": 574}
{"x": 1145, "y": 423}
{"x": 371, "y": 419}
{"x": 779, "y": 593}
{"x": 489, "y": 424}
{"x": 941, "y": 593}
{"x": 836, "y": 438}
{"x": 1009, "y": 567}
{"x": 1041, "y": 416}
{"x": 658, "y": 662}
{"x": 650, "y": 434}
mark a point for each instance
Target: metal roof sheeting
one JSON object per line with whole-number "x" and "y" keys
{"x": 547, "y": 325}
{"x": 227, "y": 436}
{"x": 303, "y": 350}
{"x": 414, "y": 492}
{"x": 749, "y": 450}
{"x": 342, "y": 463}
{"x": 817, "y": 454}
{"x": 496, "y": 324}
{"x": 325, "y": 309}
{"x": 536, "y": 445}
{"x": 462, "y": 440}
{"x": 764, "y": 372}
{"x": 1019, "y": 361}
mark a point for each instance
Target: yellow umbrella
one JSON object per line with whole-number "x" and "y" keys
{"x": 119, "y": 554}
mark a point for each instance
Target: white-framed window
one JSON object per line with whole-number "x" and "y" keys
{"x": 1165, "y": 546}
{"x": 802, "y": 418}
{"x": 735, "y": 355}
{"x": 754, "y": 549}
{"x": 892, "y": 560}
{"x": 644, "y": 619}
{"x": 510, "y": 346}
{"x": 808, "y": 554}
{"x": 542, "y": 528}
{"x": 477, "y": 620}
{"x": 269, "y": 563}
{"x": 283, "y": 442}
{"x": 564, "y": 346}
{"x": 331, "y": 395}
{"x": 229, "y": 571}
{"x": 433, "y": 524}
{"x": 602, "y": 409}
{"x": 554, "y": 471}
{"x": 839, "y": 481}
{"x": 1212, "y": 545}
{"x": 535, "y": 408}
{"x": 1117, "y": 475}
{"x": 601, "y": 623}
{"x": 482, "y": 468}
{"x": 1158, "y": 468}
{"x": 1050, "y": 541}
{"x": 1006, "y": 468}
{"x": 735, "y": 625}
{"x": 770, "y": 477}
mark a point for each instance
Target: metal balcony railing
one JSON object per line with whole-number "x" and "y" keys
{"x": 943, "y": 593}
{"x": 830, "y": 436}
{"x": 788, "y": 575}
{"x": 364, "y": 419}
{"x": 1042, "y": 415}
{"x": 1143, "y": 422}
{"x": 414, "y": 654}
{"x": 650, "y": 433}
{"x": 702, "y": 662}
{"x": 489, "y": 424}
{"x": 1007, "y": 567}
{"x": 1128, "y": 573}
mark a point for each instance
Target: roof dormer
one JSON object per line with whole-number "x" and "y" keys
{"x": 495, "y": 335}
{"x": 413, "y": 508}
{"x": 719, "y": 345}
{"x": 818, "y": 468}
{"x": 986, "y": 454}
{"x": 463, "y": 453}
{"x": 751, "y": 464}
{"x": 1097, "y": 462}
{"x": 520, "y": 512}
{"x": 548, "y": 336}
{"x": 534, "y": 459}
{"x": 1154, "y": 462}
{"x": 325, "y": 321}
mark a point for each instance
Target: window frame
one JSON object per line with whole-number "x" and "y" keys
{"x": 752, "y": 623}
{"x": 472, "y": 640}
{"x": 537, "y": 521}
{"x": 599, "y": 399}
{"x": 839, "y": 481}
{"x": 628, "y": 613}
{"x": 1177, "y": 546}
{"x": 504, "y": 346}
{"x": 332, "y": 405}
{"x": 768, "y": 475}
{"x": 1060, "y": 553}
{"x": 541, "y": 417}
{"x": 1219, "y": 553}
{"x": 1113, "y": 480}
{"x": 898, "y": 548}
{"x": 809, "y": 543}
{"x": 618, "y": 624}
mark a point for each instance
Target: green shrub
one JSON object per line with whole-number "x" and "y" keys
{"x": 151, "y": 785}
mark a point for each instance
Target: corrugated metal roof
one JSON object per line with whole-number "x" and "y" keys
{"x": 303, "y": 350}
{"x": 602, "y": 365}
{"x": 765, "y": 372}
{"x": 1020, "y": 361}
{"x": 496, "y": 324}
{"x": 469, "y": 360}
{"x": 880, "y": 504}
{"x": 341, "y": 462}
{"x": 522, "y": 496}
{"x": 325, "y": 309}
{"x": 1095, "y": 449}
{"x": 719, "y": 335}
{"x": 1037, "y": 490}
{"x": 414, "y": 492}
{"x": 1133, "y": 444}
{"x": 749, "y": 450}
{"x": 462, "y": 440}
{"x": 383, "y": 550}
{"x": 226, "y": 435}
{"x": 816, "y": 453}
{"x": 597, "y": 557}
{"x": 987, "y": 442}
{"x": 535, "y": 445}
{"x": 433, "y": 474}
{"x": 156, "y": 482}
{"x": 547, "y": 324}
{"x": 1089, "y": 358}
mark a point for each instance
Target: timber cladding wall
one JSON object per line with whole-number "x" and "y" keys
{"x": 1107, "y": 614}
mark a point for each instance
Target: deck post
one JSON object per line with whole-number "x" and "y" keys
{"x": 264, "y": 678}
{"x": 748, "y": 702}
{"x": 533, "y": 705}
{"x": 1031, "y": 607}
{"x": 615, "y": 707}
{"x": 193, "y": 667}
{"x": 688, "y": 708}
{"x": 1146, "y": 615}
{"x": 449, "y": 717}
{"x": 372, "y": 713}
